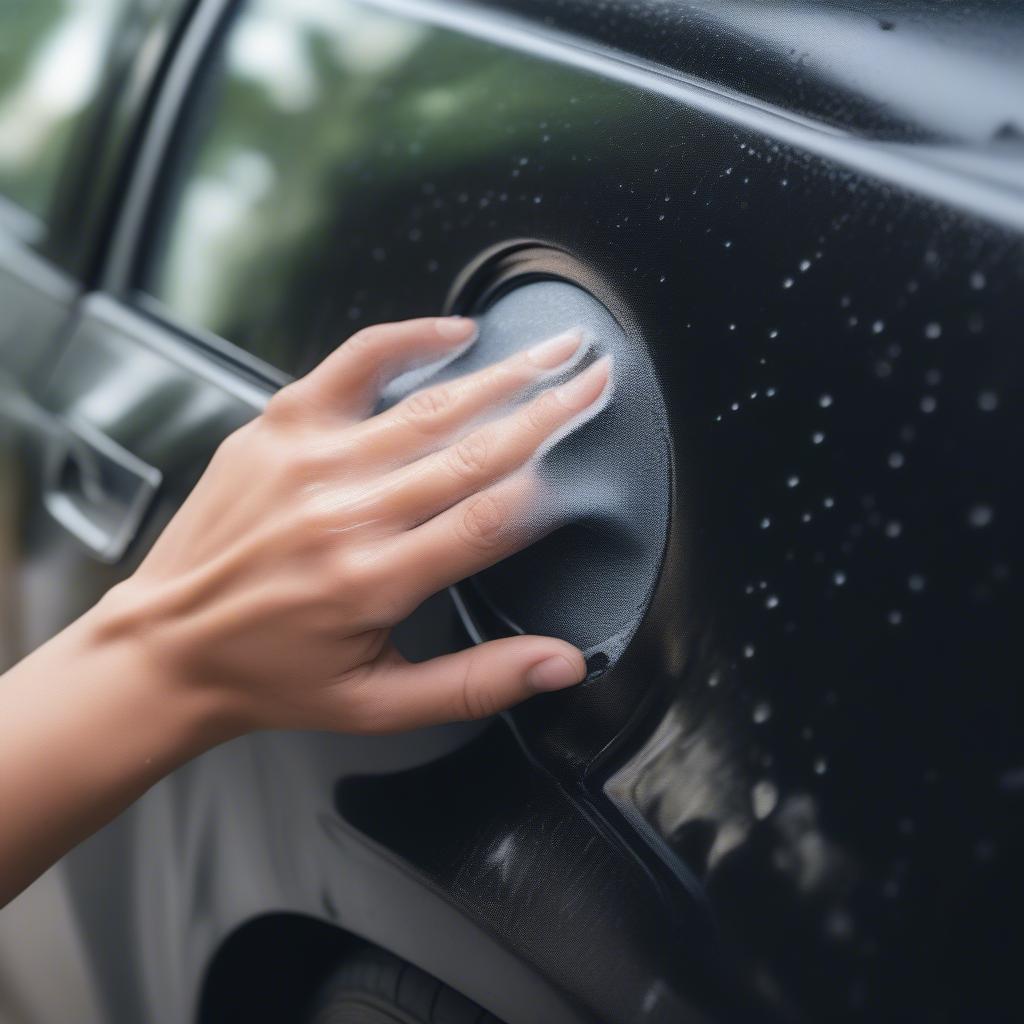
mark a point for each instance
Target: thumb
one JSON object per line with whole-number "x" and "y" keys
{"x": 470, "y": 684}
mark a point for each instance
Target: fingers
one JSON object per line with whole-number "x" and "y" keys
{"x": 440, "y": 480}
{"x": 469, "y": 537}
{"x": 470, "y": 684}
{"x": 424, "y": 419}
{"x": 350, "y": 379}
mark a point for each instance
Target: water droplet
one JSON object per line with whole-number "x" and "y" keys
{"x": 916, "y": 583}
{"x": 817, "y": 437}
{"x": 773, "y": 333}
{"x": 896, "y": 460}
{"x": 806, "y": 517}
{"x": 748, "y": 650}
{"x": 829, "y": 502}
{"x": 727, "y": 244}
{"x": 988, "y": 401}
{"x": 661, "y": 216}
{"x": 820, "y": 766}
{"x": 735, "y": 406}
{"x": 770, "y": 392}
{"x": 977, "y": 280}
{"x": 771, "y": 601}
{"x": 933, "y": 330}
{"x": 805, "y": 265}
{"x": 764, "y": 795}
{"x": 825, "y": 401}
{"x": 787, "y": 282}
{"x": 878, "y": 326}
{"x": 732, "y": 327}
{"x": 792, "y": 481}
{"x": 928, "y": 404}
{"x": 714, "y": 679}
{"x": 839, "y": 926}
{"x": 895, "y": 617}
{"x": 893, "y": 529}
{"x": 662, "y": 279}
{"x": 762, "y": 712}
{"x": 839, "y": 578}
{"x": 980, "y": 516}
{"x": 765, "y": 523}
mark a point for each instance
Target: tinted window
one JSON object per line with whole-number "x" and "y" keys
{"x": 329, "y": 144}
{"x": 52, "y": 55}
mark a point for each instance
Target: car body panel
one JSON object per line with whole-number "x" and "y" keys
{"x": 796, "y": 795}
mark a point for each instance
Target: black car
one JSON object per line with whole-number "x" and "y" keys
{"x": 792, "y": 787}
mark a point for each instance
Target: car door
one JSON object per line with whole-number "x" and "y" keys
{"x": 825, "y": 308}
{"x": 74, "y": 80}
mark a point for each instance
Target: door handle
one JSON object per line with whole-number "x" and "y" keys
{"x": 96, "y": 489}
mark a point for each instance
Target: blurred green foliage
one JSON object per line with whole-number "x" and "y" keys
{"x": 51, "y": 52}
{"x": 312, "y": 115}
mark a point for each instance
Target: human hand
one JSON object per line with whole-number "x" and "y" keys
{"x": 318, "y": 526}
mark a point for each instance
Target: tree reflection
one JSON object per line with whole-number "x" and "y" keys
{"x": 315, "y": 116}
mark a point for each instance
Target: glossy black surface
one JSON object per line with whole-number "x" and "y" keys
{"x": 601, "y": 507}
{"x": 909, "y": 71}
{"x": 812, "y": 744}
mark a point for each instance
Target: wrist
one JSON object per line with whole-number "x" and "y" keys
{"x": 124, "y": 632}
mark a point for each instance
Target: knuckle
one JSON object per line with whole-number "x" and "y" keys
{"x": 355, "y": 573}
{"x": 474, "y": 701}
{"x": 234, "y": 444}
{"x": 469, "y": 456}
{"x": 504, "y": 376}
{"x": 484, "y": 521}
{"x": 424, "y": 406}
{"x": 368, "y": 339}
{"x": 316, "y": 527}
{"x": 542, "y": 412}
{"x": 284, "y": 405}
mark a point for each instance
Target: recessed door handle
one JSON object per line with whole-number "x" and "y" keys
{"x": 96, "y": 489}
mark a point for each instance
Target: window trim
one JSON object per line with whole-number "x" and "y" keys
{"x": 131, "y": 234}
{"x": 85, "y": 191}
{"x": 20, "y": 224}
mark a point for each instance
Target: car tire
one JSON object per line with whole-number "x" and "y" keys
{"x": 374, "y": 987}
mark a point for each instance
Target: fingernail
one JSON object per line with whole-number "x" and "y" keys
{"x": 585, "y": 387}
{"x": 553, "y": 674}
{"x": 456, "y": 328}
{"x": 554, "y": 351}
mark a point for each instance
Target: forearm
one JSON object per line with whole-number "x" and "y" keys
{"x": 268, "y": 600}
{"x": 86, "y": 726}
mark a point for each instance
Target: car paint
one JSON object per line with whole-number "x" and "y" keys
{"x": 796, "y": 797}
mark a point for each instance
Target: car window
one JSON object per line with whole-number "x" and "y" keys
{"x": 52, "y": 57}
{"x": 328, "y": 143}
